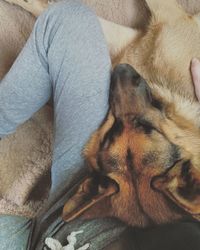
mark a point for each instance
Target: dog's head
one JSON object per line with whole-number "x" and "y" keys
{"x": 131, "y": 153}
{"x": 145, "y": 157}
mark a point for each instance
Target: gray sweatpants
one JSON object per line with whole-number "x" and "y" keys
{"x": 65, "y": 57}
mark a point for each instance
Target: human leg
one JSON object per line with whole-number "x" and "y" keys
{"x": 80, "y": 70}
{"x": 79, "y": 108}
{"x": 14, "y": 232}
{"x": 68, "y": 55}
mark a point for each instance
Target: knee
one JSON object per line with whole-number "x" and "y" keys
{"x": 69, "y": 12}
{"x": 67, "y": 18}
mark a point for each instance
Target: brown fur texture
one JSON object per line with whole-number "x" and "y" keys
{"x": 131, "y": 13}
{"x": 150, "y": 128}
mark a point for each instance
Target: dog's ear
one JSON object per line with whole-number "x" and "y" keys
{"x": 91, "y": 199}
{"x": 117, "y": 36}
{"x": 164, "y": 10}
{"x": 182, "y": 185}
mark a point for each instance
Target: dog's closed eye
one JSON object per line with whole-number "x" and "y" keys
{"x": 143, "y": 125}
{"x": 157, "y": 104}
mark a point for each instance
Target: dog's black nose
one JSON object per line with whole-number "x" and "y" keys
{"x": 125, "y": 73}
{"x": 128, "y": 90}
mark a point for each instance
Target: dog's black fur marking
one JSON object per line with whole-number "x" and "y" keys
{"x": 115, "y": 131}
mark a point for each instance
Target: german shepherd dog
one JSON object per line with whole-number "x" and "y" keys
{"x": 144, "y": 158}
{"x": 145, "y": 155}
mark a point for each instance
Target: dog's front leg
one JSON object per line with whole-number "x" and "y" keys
{"x": 35, "y": 7}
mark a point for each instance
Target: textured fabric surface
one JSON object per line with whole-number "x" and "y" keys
{"x": 14, "y": 232}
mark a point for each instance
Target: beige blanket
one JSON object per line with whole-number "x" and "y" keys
{"x": 25, "y": 156}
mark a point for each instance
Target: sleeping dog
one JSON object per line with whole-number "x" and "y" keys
{"x": 144, "y": 158}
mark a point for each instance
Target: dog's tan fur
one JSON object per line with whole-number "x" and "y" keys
{"x": 129, "y": 50}
{"x": 162, "y": 55}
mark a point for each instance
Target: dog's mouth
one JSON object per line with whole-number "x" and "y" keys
{"x": 92, "y": 190}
